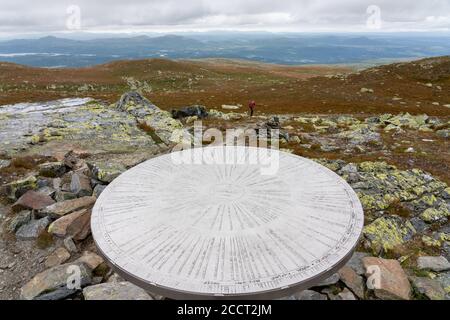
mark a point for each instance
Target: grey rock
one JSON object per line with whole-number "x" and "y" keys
{"x": 346, "y": 295}
{"x": 115, "y": 291}
{"x": 60, "y": 209}
{"x": 4, "y": 163}
{"x": 333, "y": 279}
{"x": 52, "y": 169}
{"x": 437, "y": 264}
{"x": 419, "y": 225}
{"x": 70, "y": 245}
{"x": 56, "y": 283}
{"x": 309, "y": 295}
{"x": 429, "y": 288}
{"x": 20, "y": 219}
{"x": 98, "y": 190}
{"x": 32, "y": 229}
{"x": 80, "y": 185}
{"x": 61, "y": 196}
{"x": 443, "y": 133}
{"x": 196, "y": 110}
{"x": 356, "y": 264}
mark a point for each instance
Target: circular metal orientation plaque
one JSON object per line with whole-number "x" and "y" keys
{"x": 227, "y": 229}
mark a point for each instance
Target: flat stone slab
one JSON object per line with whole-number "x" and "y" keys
{"x": 226, "y": 230}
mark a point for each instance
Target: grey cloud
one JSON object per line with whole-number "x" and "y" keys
{"x": 19, "y": 16}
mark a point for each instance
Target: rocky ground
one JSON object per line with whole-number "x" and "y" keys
{"x": 57, "y": 157}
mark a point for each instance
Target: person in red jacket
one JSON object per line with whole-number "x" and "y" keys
{"x": 252, "y": 106}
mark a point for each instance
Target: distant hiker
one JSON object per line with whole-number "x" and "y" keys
{"x": 252, "y": 106}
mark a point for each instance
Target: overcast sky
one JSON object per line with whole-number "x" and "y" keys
{"x": 48, "y": 16}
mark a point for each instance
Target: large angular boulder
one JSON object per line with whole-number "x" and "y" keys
{"x": 158, "y": 123}
{"x": 57, "y": 283}
{"x": 115, "y": 291}
{"x": 387, "y": 279}
{"x": 75, "y": 225}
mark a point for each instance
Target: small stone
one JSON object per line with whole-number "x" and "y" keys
{"x": 61, "y": 196}
{"x": 428, "y": 287}
{"x": 445, "y": 133}
{"x": 346, "y": 295}
{"x": 73, "y": 161}
{"x": 333, "y": 279}
{"x": 4, "y": 163}
{"x": 387, "y": 279}
{"x": 309, "y": 295}
{"x": 410, "y": 150}
{"x": 32, "y": 200}
{"x": 48, "y": 191}
{"x": 107, "y": 172}
{"x": 115, "y": 278}
{"x": 70, "y": 245}
{"x": 32, "y": 229}
{"x": 60, "y": 209}
{"x": 57, "y": 257}
{"x": 98, "y": 190}
{"x": 115, "y": 291}
{"x": 80, "y": 185}
{"x": 91, "y": 259}
{"x": 366, "y": 90}
{"x": 51, "y": 284}
{"x": 52, "y": 169}
{"x": 356, "y": 264}
{"x": 353, "y": 281}
{"x": 19, "y": 220}
{"x": 437, "y": 264}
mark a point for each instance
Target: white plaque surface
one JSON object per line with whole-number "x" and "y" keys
{"x": 227, "y": 230}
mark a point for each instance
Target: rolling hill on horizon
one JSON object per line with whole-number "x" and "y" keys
{"x": 287, "y": 49}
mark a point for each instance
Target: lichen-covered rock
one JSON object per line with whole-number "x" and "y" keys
{"x": 386, "y": 233}
{"x": 56, "y": 283}
{"x": 52, "y": 169}
{"x": 115, "y": 291}
{"x": 18, "y": 188}
{"x": 159, "y": 122}
{"x": 432, "y": 215}
{"x": 106, "y": 172}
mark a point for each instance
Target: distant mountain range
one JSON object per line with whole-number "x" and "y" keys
{"x": 290, "y": 49}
